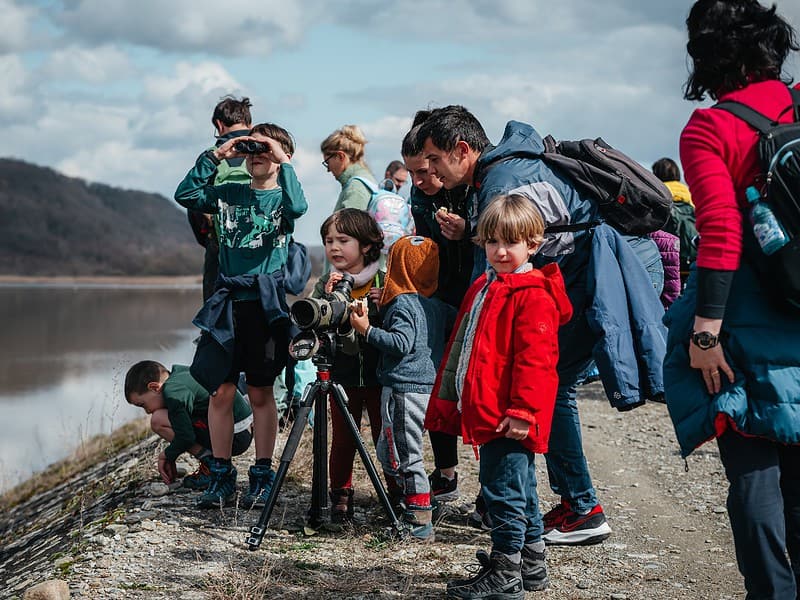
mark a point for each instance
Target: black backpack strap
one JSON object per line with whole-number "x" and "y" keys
{"x": 572, "y": 227}
{"x": 796, "y": 103}
{"x": 750, "y": 116}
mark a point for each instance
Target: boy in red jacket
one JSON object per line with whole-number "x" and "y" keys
{"x": 497, "y": 388}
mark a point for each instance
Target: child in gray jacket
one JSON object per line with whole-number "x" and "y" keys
{"x": 411, "y": 343}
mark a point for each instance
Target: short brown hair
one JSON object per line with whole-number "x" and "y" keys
{"x": 140, "y": 375}
{"x": 277, "y": 133}
{"x": 511, "y": 217}
{"x": 230, "y": 110}
{"x": 360, "y": 225}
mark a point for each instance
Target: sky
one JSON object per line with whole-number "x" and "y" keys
{"x": 122, "y": 92}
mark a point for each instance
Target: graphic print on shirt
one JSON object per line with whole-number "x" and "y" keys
{"x": 249, "y": 226}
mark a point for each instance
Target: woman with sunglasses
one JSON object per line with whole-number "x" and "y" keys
{"x": 343, "y": 157}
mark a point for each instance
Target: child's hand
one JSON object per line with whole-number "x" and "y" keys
{"x": 333, "y": 279}
{"x": 227, "y": 149}
{"x": 452, "y": 225}
{"x": 167, "y": 468}
{"x": 276, "y": 153}
{"x": 517, "y": 428}
{"x": 359, "y": 319}
{"x": 375, "y": 294}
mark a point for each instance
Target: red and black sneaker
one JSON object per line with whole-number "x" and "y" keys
{"x": 578, "y": 530}
{"x": 553, "y": 517}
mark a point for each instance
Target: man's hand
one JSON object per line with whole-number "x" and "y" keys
{"x": 453, "y": 226}
{"x": 517, "y": 428}
{"x": 167, "y": 468}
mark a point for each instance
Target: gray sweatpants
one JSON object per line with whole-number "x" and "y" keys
{"x": 400, "y": 445}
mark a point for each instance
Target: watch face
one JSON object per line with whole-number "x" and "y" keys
{"x": 705, "y": 340}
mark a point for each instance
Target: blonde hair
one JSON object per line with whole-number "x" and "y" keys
{"x": 349, "y": 139}
{"x": 512, "y": 218}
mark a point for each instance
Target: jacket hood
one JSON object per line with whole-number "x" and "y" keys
{"x": 680, "y": 192}
{"x": 548, "y": 277}
{"x": 519, "y": 139}
{"x": 412, "y": 268}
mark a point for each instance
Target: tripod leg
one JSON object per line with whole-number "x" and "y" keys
{"x": 257, "y": 531}
{"x": 341, "y": 401}
{"x": 319, "y": 512}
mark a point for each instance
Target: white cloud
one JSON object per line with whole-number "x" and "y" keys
{"x": 236, "y": 27}
{"x": 16, "y": 26}
{"x": 90, "y": 65}
{"x": 14, "y": 97}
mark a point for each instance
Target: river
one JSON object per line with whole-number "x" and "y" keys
{"x": 64, "y": 352}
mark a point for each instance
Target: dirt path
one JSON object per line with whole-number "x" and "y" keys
{"x": 112, "y": 534}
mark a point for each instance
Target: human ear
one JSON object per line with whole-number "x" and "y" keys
{"x": 462, "y": 148}
{"x": 154, "y": 386}
{"x": 533, "y": 247}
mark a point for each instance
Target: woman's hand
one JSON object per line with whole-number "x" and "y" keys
{"x": 711, "y": 362}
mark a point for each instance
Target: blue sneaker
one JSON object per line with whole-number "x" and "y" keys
{"x": 200, "y": 479}
{"x": 222, "y": 488}
{"x": 261, "y": 480}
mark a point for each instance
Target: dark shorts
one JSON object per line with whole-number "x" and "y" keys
{"x": 259, "y": 351}
{"x": 241, "y": 440}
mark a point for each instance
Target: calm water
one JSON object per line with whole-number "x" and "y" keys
{"x": 63, "y": 358}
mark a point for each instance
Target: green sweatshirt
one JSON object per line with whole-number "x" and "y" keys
{"x": 252, "y": 223}
{"x": 186, "y": 400}
{"x": 354, "y": 194}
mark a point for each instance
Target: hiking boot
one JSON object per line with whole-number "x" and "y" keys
{"x": 442, "y": 488}
{"x": 341, "y": 505}
{"x": 201, "y": 478}
{"x": 222, "y": 487}
{"x": 553, "y": 517}
{"x": 419, "y": 521}
{"x": 579, "y": 530}
{"x": 534, "y": 570}
{"x": 261, "y": 479}
{"x": 479, "y": 518}
{"x": 497, "y": 577}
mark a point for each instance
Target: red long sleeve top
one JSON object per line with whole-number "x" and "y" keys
{"x": 720, "y": 160}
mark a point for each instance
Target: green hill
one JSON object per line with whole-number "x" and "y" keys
{"x": 58, "y": 225}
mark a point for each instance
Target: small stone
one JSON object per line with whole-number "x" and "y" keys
{"x": 148, "y": 525}
{"x": 584, "y": 584}
{"x": 158, "y": 489}
{"x": 116, "y": 529}
{"x": 53, "y": 589}
{"x": 619, "y": 596}
{"x": 720, "y": 510}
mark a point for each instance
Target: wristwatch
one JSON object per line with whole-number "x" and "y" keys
{"x": 705, "y": 340}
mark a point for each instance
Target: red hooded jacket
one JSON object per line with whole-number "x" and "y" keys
{"x": 512, "y": 366}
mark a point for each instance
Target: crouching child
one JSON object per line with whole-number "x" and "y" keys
{"x": 178, "y": 409}
{"x": 497, "y": 388}
{"x": 410, "y": 342}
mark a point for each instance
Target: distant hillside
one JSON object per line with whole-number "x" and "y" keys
{"x": 57, "y": 225}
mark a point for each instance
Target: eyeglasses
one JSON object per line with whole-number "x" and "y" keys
{"x": 328, "y": 157}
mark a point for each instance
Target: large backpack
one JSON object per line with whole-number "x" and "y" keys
{"x": 779, "y": 183}
{"x": 630, "y": 198}
{"x": 391, "y": 211}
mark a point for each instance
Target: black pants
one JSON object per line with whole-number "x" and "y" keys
{"x": 764, "y": 510}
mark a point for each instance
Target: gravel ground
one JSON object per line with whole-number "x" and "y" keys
{"x": 671, "y": 537}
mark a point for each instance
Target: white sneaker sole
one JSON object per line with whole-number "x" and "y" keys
{"x": 580, "y": 537}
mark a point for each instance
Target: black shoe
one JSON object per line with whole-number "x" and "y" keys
{"x": 497, "y": 578}
{"x": 442, "y": 488}
{"x": 534, "y": 570}
{"x": 341, "y": 505}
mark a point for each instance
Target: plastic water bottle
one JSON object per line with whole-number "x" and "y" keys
{"x": 768, "y": 231}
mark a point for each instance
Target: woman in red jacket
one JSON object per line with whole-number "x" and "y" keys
{"x": 738, "y": 48}
{"x": 497, "y": 387}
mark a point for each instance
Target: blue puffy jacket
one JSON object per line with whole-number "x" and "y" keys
{"x": 761, "y": 345}
{"x": 625, "y": 313}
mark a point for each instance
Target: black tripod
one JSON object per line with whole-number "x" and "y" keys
{"x": 315, "y": 396}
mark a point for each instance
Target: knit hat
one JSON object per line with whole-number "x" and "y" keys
{"x": 412, "y": 267}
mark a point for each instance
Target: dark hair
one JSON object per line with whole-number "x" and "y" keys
{"x": 231, "y": 111}
{"x": 394, "y": 166}
{"x": 733, "y": 43}
{"x": 140, "y": 375}
{"x": 452, "y": 124}
{"x": 360, "y": 225}
{"x": 279, "y": 134}
{"x": 667, "y": 169}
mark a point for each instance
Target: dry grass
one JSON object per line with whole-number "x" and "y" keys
{"x": 94, "y": 450}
